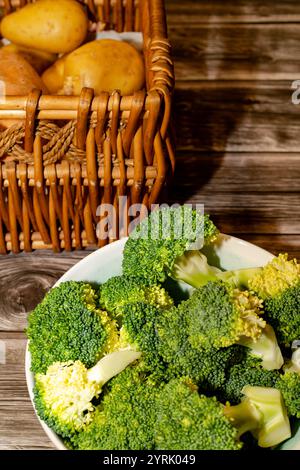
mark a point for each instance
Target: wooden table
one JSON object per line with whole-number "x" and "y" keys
{"x": 238, "y": 152}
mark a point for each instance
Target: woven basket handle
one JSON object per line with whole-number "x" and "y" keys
{"x": 157, "y": 12}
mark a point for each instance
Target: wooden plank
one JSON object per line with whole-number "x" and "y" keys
{"x": 238, "y": 172}
{"x": 19, "y": 427}
{"x": 236, "y": 51}
{"x": 236, "y": 117}
{"x": 225, "y": 11}
{"x": 24, "y": 279}
{"x": 246, "y": 213}
{"x": 276, "y": 243}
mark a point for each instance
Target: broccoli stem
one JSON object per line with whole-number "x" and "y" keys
{"x": 262, "y": 412}
{"x": 266, "y": 348}
{"x": 244, "y": 416}
{"x": 193, "y": 268}
{"x": 112, "y": 365}
{"x": 275, "y": 425}
{"x": 239, "y": 277}
{"x": 294, "y": 364}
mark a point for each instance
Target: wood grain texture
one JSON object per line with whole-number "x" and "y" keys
{"x": 19, "y": 427}
{"x": 24, "y": 280}
{"x": 248, "y": 213}
{"x": 236, "y": 116}
{"x": 236, "y": 51}
{"x": 237, "y": 172}
{"x": 226, "y": 11}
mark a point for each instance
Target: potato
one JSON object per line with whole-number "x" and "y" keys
{"x": 53, "y": 77}
{"x": 56, "y": 26}
{"x": 17, "y": 77}
{"x": 39, "y": 60}
{"x": 105, "y": 65}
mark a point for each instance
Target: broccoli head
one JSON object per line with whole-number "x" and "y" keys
{"x": 289, "y": 384}
{"x": 158, "y": 242}
{"x": 183, "y": 360}
{"x": 276, "y": 277}
{"x": 283, "y": 313}
{"x": 63, "y": 396}
{"x": 188, "y": 420}
{"x": 242, "y": 374}
{"x": 67, "y": 326}
{"x": 138, "y": 332}
{"x": 218, "y": 315}
{"x": 125, "y": 418}
{"x": 121, "y": 290}
{"x": 278, "y": 284}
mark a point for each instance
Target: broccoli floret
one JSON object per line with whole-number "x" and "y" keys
{"x": 278, "y": 284}
{"x": 283, "y": 313}
{"x": 125, "y": 418}
{"x": 159, "y": 241}
{"x": 289, "y": 384}
{"x": 138, "y": 332}
{"x": 217, "y": 316}
{"x": 67, "y": 326}
{"x": 276, "y": 277}
{"x": 63, "y": 396}
{"x": 242, "y": 374}
{"x": 187, "y": 420}
{"x": 121, "y": 290}
{"x": 205, "y": 367}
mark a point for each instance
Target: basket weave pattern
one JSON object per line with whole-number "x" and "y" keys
{"x": 65, "y": 155}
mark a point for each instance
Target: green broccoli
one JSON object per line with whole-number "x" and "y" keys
{"x": 242, "y": 374}
{"x": 250, "y": 373}
{"x": 158, "y": 242}
{"x": 278, "y": 284}
{"x": 206, "y": 369}
{"x": 183, "y": 359}
{"x": 138, "y": 332}
{"x": 64, "y": 396}
{"x": 217, "y": 316}
{"x": 125, "y": 418}
{"x": 161, "y": 336}
{"x": 289, "y": 384}
{"x": 121, "y": 290}
{"x": 67, "y": 326}
{"x": 187, "y": 420}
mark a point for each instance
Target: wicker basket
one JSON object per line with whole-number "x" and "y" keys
{"x": 66, "y": 154}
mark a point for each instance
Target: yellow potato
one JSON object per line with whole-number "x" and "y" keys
{"x": 39, "y": 60}
{"x": 17, "y": 78}
{"x": 53, "y": 77}
{"x": 56, "y": 26}
{"x": 104, "y": 65}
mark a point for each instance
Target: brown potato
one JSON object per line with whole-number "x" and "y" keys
{"x": 104, "y": 65}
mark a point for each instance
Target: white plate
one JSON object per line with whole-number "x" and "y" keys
{"x": 228, "y": 253}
